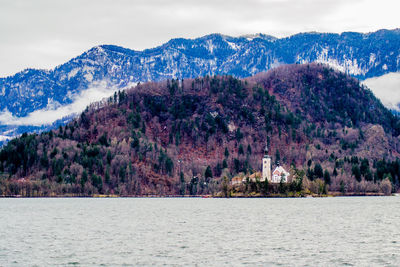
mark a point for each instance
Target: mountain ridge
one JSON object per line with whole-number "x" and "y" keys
{"x": 266, "y": 36}
{"x": 115, "y": 67}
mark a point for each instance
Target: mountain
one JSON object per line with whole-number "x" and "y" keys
{"x": 191, "y": 136}
{"x": 37, "y": 97}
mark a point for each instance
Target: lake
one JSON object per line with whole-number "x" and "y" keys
{"x": 351, "y": 231}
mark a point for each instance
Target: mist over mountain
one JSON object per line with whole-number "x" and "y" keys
{"x": 38, "y": 97}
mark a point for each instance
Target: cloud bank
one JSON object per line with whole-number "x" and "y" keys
{"x": 387, "y": 89}
{"x": 53, "y": 112}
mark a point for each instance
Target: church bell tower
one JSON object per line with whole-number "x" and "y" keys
{"x": 266, "y": 171}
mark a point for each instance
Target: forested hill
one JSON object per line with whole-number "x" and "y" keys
{"x": 326, "y": 96}
{"x": 192, "y": 136}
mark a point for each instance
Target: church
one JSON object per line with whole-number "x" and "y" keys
{"x": 279, "y": 174}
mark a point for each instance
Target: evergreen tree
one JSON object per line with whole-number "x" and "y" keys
{"x": 226, "y": 152}
{"x": 266, "y": 186}
{"x": 224, "y": 164}
{"x": 241, "y": 151}
{"x": 109, "y": 157}
{"x": 122, "y": 173}
{"x": 364, "y": 167}
{"x": 238, "y": 135}
{"x": 310, "y": 174}
{"x": 327, "y": 177}
{"x": 169, "y": 165}
{"x": 143, "y": 129}
{"x": 84, "y": 178}
{"x": 97, "y": 182}
{"x": 277, "y": 157}
{"x": 107, "y": 176}
{"x": 318, "y": 172}
{"x": 183, "y": 185}
{"x": 369, "y": 176}
{"x": 208, "y": 172}
{"x": 356, "y": 172}
{"x": 334, "y": 173}
{"x": 248, "y": 149}
{"x": 236, "y": 163}
{"x": 309, "y": 162}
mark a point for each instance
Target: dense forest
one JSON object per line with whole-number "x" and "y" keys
{"x": 191, "y": 137}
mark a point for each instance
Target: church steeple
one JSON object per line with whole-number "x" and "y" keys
{"x": 266, "y": 152}
{"x": 266, "y": 171}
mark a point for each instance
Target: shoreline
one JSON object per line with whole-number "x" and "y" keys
{"x": 332, "y": 194}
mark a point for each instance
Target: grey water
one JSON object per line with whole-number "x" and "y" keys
{"x": 353, "y": 231}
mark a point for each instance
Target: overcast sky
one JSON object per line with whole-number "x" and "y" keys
{"x": 46, "y": 33}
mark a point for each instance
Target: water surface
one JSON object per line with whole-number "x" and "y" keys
{"x": 354, "y": 231}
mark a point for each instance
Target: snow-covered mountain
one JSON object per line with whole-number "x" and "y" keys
{"x": 37, "y": 97}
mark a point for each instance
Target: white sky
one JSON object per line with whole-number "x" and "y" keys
{"x": 46, "y": 33}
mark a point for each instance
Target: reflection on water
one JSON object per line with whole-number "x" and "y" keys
{"x": 362, "y": 231}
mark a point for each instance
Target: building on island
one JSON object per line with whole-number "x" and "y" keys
{"x": 237, "y": 180}
{"x": 241, "y": 178}
{"x": 278, "y": 175}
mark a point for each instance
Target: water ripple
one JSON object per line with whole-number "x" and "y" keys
{"x": 206, "y": 232}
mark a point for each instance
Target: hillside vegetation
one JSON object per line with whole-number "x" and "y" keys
{"x": 182, "y": 137}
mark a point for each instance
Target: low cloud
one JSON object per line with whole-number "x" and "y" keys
{"x": 386, "y": 88}
{"x": 53, "y": 112}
